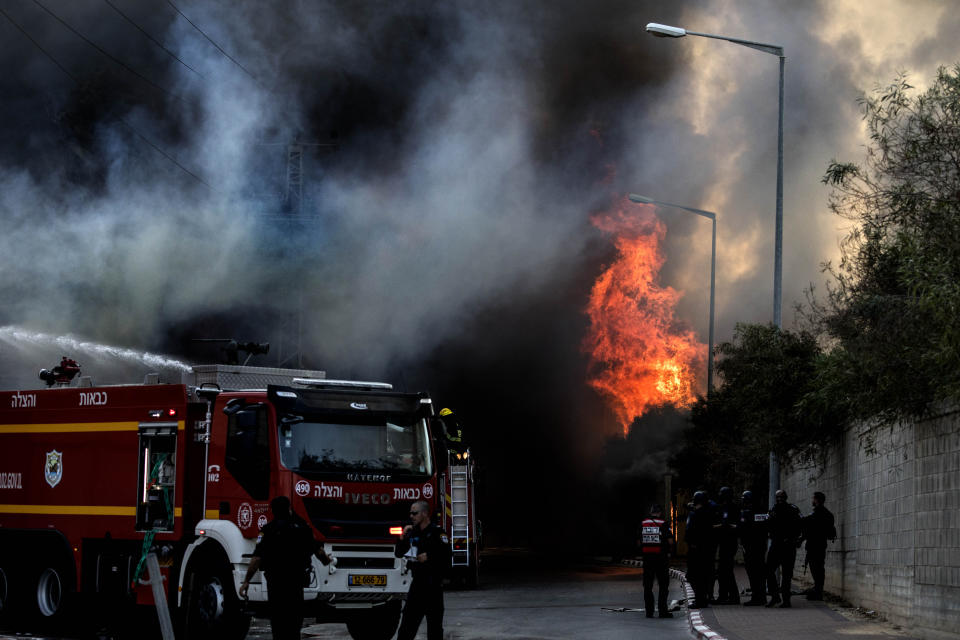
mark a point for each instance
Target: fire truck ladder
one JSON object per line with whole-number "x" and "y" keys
{"x": 459, "y": 515}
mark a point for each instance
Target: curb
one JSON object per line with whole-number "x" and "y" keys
{"x": 697, "y": 627}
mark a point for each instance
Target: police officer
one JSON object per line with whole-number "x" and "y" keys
{"x": 784, "y": 525}
{"x": 752, "y": 531}
{"x": 728, "y": 515}
{"x": 284, "y": 552}
{"x": 699, "y": 537}
{"x": 818, "y": 527}
{"x": 656, "y": 544}
{"x": 427, "y": 550}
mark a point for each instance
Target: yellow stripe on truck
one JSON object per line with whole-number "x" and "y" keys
{"x": 75, "y": 427}
{"x": 74, "y": 510}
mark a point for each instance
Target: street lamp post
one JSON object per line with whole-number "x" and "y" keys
{"x": 713, "y": 271}
{"x": 666, "y": 31}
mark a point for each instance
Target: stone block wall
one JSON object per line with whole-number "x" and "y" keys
{"x": 895, "y": 493}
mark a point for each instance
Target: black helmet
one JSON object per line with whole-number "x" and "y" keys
{"x": 655, "y": 508}
{"x": 747, "y": 496}
{"x": 726, "y": 493}
{"x": 700, "y": 497}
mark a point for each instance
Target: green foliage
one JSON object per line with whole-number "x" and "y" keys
{"x": 768, "y": 402}
{"x": 892, "y": 309}
{"x": 884, "y": 343}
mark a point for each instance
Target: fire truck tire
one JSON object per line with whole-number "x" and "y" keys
{"x": 6, "y": 608}
{"x": 379, "y": 623}
{"x": 51, "y": 593}
{"x": 473, "y": 574}
{"x": 213, "y": 609}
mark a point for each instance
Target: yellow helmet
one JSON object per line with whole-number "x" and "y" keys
{"x": 445, "y": 412}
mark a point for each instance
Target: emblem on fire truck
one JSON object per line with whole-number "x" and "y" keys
{"x": 303, "y": 488}
{"x": 428, "y": 490}
{"x": 53, "y": 468}
{"x": 245, "y": 516}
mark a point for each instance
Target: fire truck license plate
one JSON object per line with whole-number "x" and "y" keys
{"x": 354, "y": 580}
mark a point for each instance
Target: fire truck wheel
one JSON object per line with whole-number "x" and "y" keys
{"x": 50, "y": 593}
{"x": 213, "y": 608}
{"x": 4, "y": 595}
{"x": 14, "y": 597}
{"x": 473, "y": 574}
{"x": 380, "y": 623}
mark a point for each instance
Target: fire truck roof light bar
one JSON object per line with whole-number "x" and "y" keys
{"x": 355, "y": 384}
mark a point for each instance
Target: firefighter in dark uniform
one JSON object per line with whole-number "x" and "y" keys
{"x": 752, "y": 531}
{"x": 699, "y": 537}
{"x": 453, "y": 430}
{"x": 656, "y": 545}
{"x": 427, "y": 550}
{"x": 728, "y": 516}
{"x": 284, "y": 553}
{"x": 818, "y": 527}
{"x": 784, "y": 525}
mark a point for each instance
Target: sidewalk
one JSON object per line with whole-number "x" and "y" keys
{"x": 806, "y": 620}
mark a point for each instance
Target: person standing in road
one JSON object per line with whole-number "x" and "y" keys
{"x": 284, "y": 552}
{"x": 784, "y": 525}
{"x": 818, "y": 527}
{"x": 752, "y": 531}
{"x": 656, "y": 545}
{"x": 728, "y": 515}
{"x": 699, "y": 537}
{"x": 427, "y": 552}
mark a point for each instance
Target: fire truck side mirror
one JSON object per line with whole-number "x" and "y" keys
{"x": 234, "y": 406}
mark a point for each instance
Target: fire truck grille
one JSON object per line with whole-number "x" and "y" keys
{"x": 366, "y": 563}
{"x": 337, "y": 521}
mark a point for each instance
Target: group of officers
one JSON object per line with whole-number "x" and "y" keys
{"x": 715, "y": 530}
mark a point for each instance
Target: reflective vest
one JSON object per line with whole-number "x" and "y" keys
{"x": 651, "y": 532}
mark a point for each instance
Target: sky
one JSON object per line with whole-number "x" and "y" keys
{"x": 452, "y": 157}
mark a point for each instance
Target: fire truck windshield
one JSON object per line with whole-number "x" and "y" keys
{"x": 350, "y": 444}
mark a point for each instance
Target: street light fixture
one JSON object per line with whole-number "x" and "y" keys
{"x": 667, "y": 31}
{"x": 713, "y": 270}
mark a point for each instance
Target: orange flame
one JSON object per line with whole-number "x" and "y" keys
{"x": 640, "y": 356}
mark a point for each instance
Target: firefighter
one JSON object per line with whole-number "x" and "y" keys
{"x": 284, "y": 551}
{"x": 656, "y": 545}
{"x": 784, "y": 526}
{"x": 453, "y": 430}
{"x": 699, "y": 538}
{"x": 728, "y": 515}
{"x": 427, "y": 551}
{"x": 818, "y": 527}
{"x": 752, "y": 531}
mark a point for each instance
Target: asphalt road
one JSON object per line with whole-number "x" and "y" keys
{"x": 527, "y": 596}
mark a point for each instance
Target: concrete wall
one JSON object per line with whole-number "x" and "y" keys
{"x": 896, "y": 497}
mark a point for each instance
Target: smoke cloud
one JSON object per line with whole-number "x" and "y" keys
{"x": 451, "y": 156}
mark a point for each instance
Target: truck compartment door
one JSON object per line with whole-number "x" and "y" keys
{"x": 157, "y": 473}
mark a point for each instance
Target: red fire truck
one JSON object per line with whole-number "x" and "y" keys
{"x": 94, "y": 478}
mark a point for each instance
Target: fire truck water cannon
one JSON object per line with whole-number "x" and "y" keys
{"x": 61, "y": 374}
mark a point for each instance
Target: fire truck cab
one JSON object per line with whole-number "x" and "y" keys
{"x": 94, "y": 478}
